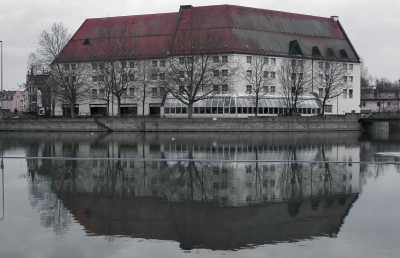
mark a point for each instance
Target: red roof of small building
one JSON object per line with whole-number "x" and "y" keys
{"x": 242, "y": 29}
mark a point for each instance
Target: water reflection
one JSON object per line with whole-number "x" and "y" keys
{"x": 174, "y": 193}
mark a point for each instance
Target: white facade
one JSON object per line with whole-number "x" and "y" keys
{"x": 347, "y": 102}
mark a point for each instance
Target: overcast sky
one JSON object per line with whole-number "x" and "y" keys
{"x": 372, "y": 26}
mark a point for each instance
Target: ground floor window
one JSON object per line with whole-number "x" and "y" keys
{"x": 98, "y": 110}
{"x": 67, "y": 110}
{"x": 328, "y": 108}
{"x": 128, "y": 111}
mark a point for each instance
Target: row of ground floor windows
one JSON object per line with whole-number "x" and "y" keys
{"x": 238, "y": 110}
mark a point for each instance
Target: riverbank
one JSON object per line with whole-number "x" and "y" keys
{"x": 348, "y": 122}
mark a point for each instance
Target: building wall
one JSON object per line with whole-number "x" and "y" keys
{"x": 340, "y": 105}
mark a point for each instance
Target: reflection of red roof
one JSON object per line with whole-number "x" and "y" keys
{"x": 244, "y": 30}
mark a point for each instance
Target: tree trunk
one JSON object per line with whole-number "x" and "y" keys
{"x": 71, "y": 109}
{"x": 190, "y": 109}
{"x": 119, "y": 107}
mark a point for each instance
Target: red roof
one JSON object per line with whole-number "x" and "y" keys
{"x": 242, "y": 29}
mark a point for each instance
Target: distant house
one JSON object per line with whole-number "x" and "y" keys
{"x": 379, "y": 100}
{"x": 14, "y": 100}
{"x": 39, "y": 97}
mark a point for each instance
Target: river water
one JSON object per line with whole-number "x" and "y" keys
{"x": 332, "y": 194}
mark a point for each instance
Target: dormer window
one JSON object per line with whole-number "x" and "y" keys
{"x": 86, "y": 42}
{"x": 294, "y": 48}
{"x": 343, "y": 54}
{"x": 330, "y": 53}
{"x": 316, "y": 52}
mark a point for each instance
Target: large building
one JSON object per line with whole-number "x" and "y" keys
{"x": 244, "y": 36}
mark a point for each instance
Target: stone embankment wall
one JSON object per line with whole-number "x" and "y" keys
{"x": 347, "y": 122}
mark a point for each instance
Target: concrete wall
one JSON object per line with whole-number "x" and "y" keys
{"x": 348, "y": 122}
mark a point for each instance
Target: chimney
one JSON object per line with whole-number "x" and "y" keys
{"x": 335, "y": 18}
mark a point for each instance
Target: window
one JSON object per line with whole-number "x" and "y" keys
{"x": 265, "y": 60}
{"x": 273, "y": 61}
{"x": 73, "y": 66}
{"x": 389, "y": 104}
{"x": 216, "y": 59}
{"x": 101, "y": 93}
{"x": 273, "y": 75}
{"x": 216, "y": 88}
{"x": 345, "y": 79}
{"x": 321, "y": 92}
{"x": 94, "y": 78}
{"x": 273, "y": 89}
{"x": 131, "y": 77}
{"x": 73, "y": 79}
{"x": 224, "y": 73}
{"x": 300, "y": 77}
{"x": 101, "y": 66}
{"x": 94, "y": 93}
{"x": 66, "y": 79}
{"x": 124, "y": 78}
{"x": 181, "y": 74}
{"x": 224, "y": 59}
{"x": 328, "y": 108}
{"x": 327, "y": 66}
{"x": 154, "y": 92}
{"x": 321, "y": 77}
{"x": 162, "y": 76}
{"x": 350, "y": 93}
{"x": 162, "y": 63}
{"x": 326, "y": 77}
{"x": 131, "y": 64}
{"x": 294, "y": 63}
{"x": 94, "y": 66}
{"x": 66, "y": 66}
{"x": 131, "y": 92}
{"x": 123, "y": 64}
{"x": 216, "y": 73}
{"x": 162, "y": 91}
{"x": 101, "y": 78}
{"x": 265, "y": 88}
{"x": 248, "y": 88}
{"x": 224, "y": 88}
{"x": 351, "y": 67}
{"x": 350, "y": 78}
{"x": 321, "y": 65}
{"x": 293, "y": 78}
{"x": 154, "y": 76}
{"x": 181, "y": 60}
{"x": 345, "y": 93}
{"x": 265, "y": 74}
{"x": 154, "y": 63}
{"x": 248, "y": 59}
{"x": 248, "y": 73}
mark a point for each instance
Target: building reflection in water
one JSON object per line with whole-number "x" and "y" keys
{"x": 196, "y": 192}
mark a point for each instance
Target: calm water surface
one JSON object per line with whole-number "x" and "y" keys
{"x": 199, "y": 195}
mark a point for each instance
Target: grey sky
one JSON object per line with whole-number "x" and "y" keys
{"x": 372, "y": 26}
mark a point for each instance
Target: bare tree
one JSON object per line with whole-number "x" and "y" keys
{"x": 145, "y": 77}
{"x": 112, "y": 49}
{"x": 258, "y": 74}
{"x": 366, "y": 78}
{"x": 331, "y": 80}
{"x": 50, "y": 46}
{"x": 294, "y": 76}
{"x": 193, "y": 69}
{"x": 71, "y": 81}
